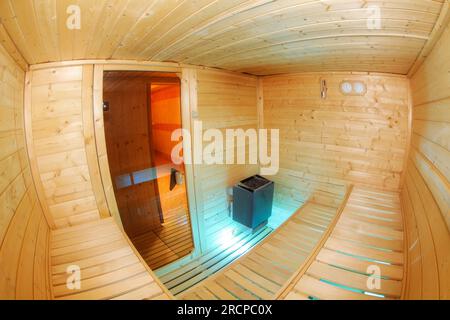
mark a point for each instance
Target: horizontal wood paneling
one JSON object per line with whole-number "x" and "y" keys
{"x": 225, "y": 101}
{"x": 24, "y": 231}
{"x": 257, "y": 36}
{"x": 166, "y": 117}
{"x": 339, "y": 140}
{"x": 62, "y": 142}
{"x": 426, "y": 194}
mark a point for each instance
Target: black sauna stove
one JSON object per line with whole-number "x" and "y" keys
{"x": 252, "y": 201}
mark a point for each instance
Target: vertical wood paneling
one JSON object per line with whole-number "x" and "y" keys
{"x": 189, "y": 86}
{"x": 342, "y": 139}
{"x": 426, "y": 194}
{"x": 99, "y": 127}
{"x": 63, "y": 144}
{"x": 23, "y": 226}
{"x": 89, "y": 140}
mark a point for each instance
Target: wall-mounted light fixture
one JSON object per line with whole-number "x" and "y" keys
{"x": 346, "y": 87}
{"x": 360, "y": 88}
{"x": 353, "y": 88}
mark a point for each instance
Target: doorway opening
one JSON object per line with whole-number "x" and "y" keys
{"x": 141, "y": 110}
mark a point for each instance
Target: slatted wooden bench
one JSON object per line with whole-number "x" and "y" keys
{"x": 333, "y": 250}
{"x": 322, "y": 252}
{"x": 110, "y": 266}
{"x": 263, "y": 271}
{"x": 368, "y": 236}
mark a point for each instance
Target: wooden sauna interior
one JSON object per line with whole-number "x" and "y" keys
{"x": 90, "y": 92}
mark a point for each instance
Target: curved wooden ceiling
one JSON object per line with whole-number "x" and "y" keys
{"x": 255, "y": 36}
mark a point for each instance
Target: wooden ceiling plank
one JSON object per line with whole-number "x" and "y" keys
{"x": 45, "y": 12}
{"x": 25, "y": 16}
{"x": 64, "y": 35}
{"x": 303, "y": 32}
{"x": 148, "y": 27}
{"x": 441, "y": 24}
{"x": 13, "y": 29}
{"x": 95, "y": 27}
{"x": 260, "y": 36}
{"x": 202, "y": 29}
{"x": 182, "y": 19}
{"x": 123, "y": 23}
{"x": 11, "y": 48}
{"x": 301, "y": 17}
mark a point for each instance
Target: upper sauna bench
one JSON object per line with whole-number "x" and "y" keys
{"x": 110, "y": 266}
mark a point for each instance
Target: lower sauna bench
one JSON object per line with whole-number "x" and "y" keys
{"x": 368, "y": 234}
{"x": 321, "y": 252}
{"x": 263, "y": 271}
{"x": 110, "y": 266}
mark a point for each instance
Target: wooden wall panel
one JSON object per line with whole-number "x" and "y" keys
{"x": 166, "y": 117}
{"x": 225, "y": 101}
{"x": 61, "y": 143}
{"x": 90, "y": 141}
{"x": 342, "y": 139}
{"x": 100, "y": 139}
{"x": 426, "y": 195}
{"x": 24, "y": 231}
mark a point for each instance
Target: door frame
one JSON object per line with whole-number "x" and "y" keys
{"x": 188, "y": 105}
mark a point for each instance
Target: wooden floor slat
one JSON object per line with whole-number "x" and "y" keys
{"x": 198, "y": 262}
{"x": 171, "y": 242}
{"x": 219, "y": 262}
{"x": 262, "y": 272}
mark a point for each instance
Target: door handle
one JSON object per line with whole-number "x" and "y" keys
{"x": 176, "y": 178}
{"x": 179, "y": 177}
